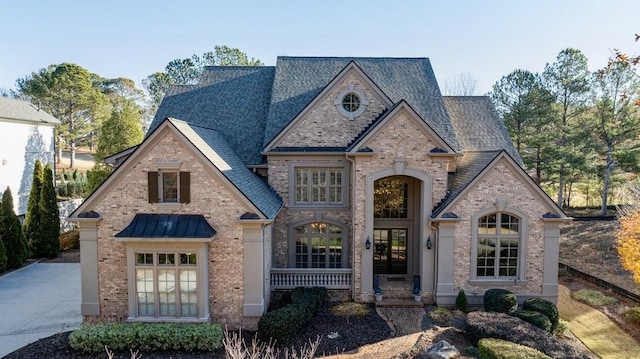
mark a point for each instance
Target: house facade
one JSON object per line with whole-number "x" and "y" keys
{"x": 26, "y": 135}
{"x": 354, "y": 174}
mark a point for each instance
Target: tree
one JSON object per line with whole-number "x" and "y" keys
{"x": 32, "y": 217}
{"x": 187, "y": 71}
{"x": 461, "y": 85}
{"x": 11, "y": 233}
{"x": 121, "y": 131}
{"x": 3, "y": 257}
{"x": 628, "y": 235}
{"x": 527, "y": 109}
{"x": 47, "y": 241}
{"x": 71, "y": 94}
{"x": 567, "y": 80}
{"x": 615, "y": 122}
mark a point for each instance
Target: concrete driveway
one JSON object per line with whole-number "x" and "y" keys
{"x": 37, "y": 301}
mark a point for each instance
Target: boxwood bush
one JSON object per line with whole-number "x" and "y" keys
{"x": 545, "y": 307}
{"x": 489, "y": 348}
{"x": 147, "y": 337}
{"x": 281, "y": 324}
{"x": 536, "y": 318}
{"x": 501, "y": 301}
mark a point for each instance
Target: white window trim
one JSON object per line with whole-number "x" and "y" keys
{"x": 292, "y": 242}
{"x": 161, "y": 173}
{"x": 201, "y": 250}
{"x": 522, "y": 249}
{"x": 318, "y": 165}
{"x": 364, "y": 102}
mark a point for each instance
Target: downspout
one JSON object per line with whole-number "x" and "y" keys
{"x": 352, "y": 169}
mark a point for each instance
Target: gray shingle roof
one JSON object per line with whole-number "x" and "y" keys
{"x": 23, "y": 111}
{"x": 478, "y": 125}
{"x": 234, "y": 100}
{"x": 468, "y": 168}
{"x": 299, "y": 79}
{"x": 147, "y": 225}
{"x": 213, "y": 145}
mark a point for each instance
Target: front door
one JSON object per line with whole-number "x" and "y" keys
{"x": 390, "y": 250}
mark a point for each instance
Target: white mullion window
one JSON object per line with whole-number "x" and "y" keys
{"x": 498, "y": 246}
{"x": 318, "y": 186}
{"x": 168, "y": 188}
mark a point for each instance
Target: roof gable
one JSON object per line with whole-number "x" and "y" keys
{"x": 376, "y": 126}
{"x": 212, "y": 148}
{"x": 474, "y": 166}
{"x": 326, "y": 96}
{"x": 298, "y": 80}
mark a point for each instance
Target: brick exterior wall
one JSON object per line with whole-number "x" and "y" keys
{"x": 500, "y": 183}
{"x": 209, "y": 197}
{"x": 323, "y": 125}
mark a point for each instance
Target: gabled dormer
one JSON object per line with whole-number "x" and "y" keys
{"x": 336, "y": 115}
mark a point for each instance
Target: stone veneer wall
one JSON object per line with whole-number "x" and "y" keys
{"x": 323, "y": 125}
{"x": 400, "y": 140}
{"x": 500, "y": 183}
{"x": 208, "y": 197}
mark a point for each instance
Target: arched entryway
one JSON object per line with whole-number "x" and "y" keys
{"x": 397, "y": 209}
{"x": 395, "y": 231}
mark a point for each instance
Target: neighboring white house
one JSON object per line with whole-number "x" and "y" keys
{"x": 26, "y": 135}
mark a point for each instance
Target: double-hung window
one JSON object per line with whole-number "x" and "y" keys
{"x": 169, "y": 186}
{"x": 319, "y": 186}
{"x": 498, "y": 246}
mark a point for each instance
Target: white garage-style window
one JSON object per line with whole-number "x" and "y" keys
{"x": 167, "y": 282}
{"x": 318, "y": 245}
{"x": 499, "y": 246}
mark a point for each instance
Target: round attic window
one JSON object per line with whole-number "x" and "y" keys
{"x": 351, "y": 102}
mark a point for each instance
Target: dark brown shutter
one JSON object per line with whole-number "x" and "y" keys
{"x": 185, "y": 187}
{"x": 153, "y": 187}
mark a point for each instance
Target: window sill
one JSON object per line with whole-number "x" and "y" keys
{"x": 497, "y": 281}
{"x": 169, "y": 205}
{"x": 167, "y": 320}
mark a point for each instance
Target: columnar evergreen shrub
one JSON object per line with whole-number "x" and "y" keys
{"x": 15, "y": 243}
{"x": 31, "y": 223}
{"x": 47, "y": 242}
{"x": 3, "y": 257}
{"x": 461, "y": 301}
{"x": 545, "y": 307}
{"x": 501, "y": 301}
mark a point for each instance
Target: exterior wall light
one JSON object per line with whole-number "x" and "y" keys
{"x": 367, "y": 244}
{"x": 429, "y": 243}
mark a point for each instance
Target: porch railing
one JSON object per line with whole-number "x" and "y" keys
{"x": 289, "y": 278}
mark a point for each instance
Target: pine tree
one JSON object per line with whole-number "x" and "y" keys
{"x": 47, "y": 243}
{"x": 3, "y": 257}
{"x": 11, "y": 233}
{"x": 32, "y": 217}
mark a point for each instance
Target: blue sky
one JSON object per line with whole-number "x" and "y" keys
{"x": 487, "y": 39}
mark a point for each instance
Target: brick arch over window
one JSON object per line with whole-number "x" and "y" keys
{"x": 499, "y": 246}
{"x": 318, "y": 244}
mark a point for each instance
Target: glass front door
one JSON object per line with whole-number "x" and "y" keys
{"x": 390, "y": 250}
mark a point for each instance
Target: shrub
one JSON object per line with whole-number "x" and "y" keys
{"x": 15, "y": 243}
{"x": 634, "y": 315}
{"x": 501, "y": 349}
{"x": 593, "y": 297}
{"x": 461, "y": 301}
{"x": 545, "y": 307}
{"x": 500, "y": 300}
{"x": 563, "y": 326}
{"x": 348, "y": 309}
{"x": 280, "y": 325}
{"x": 70, "y": 240}
{"x": 536, "y": 318}
{"x": 147, "y": 337}
{"x": 503, "y": 326}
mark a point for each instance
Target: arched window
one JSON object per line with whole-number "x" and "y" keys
{"x": 499, "y": 247}
{"x": 319, "y": 245}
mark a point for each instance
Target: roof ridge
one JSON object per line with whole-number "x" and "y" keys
{"x": 354, "y": 57}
